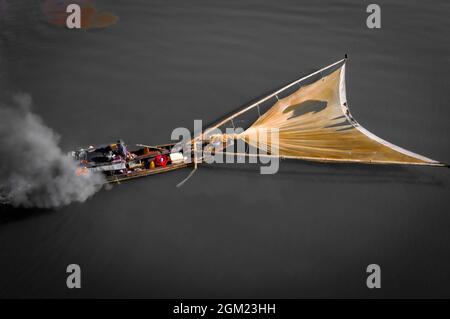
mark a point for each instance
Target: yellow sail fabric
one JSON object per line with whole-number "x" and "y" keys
{"x": 314, "y": 124}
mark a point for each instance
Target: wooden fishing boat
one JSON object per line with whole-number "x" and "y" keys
{"x": 311, "y": 119}
{"x": 143, "y": 161}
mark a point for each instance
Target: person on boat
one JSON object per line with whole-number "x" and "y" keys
{"x": 110, "y": 155}
{"x": 122, "y": 149}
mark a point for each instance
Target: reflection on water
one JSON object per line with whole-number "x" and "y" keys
{"x": 55, "y": 13}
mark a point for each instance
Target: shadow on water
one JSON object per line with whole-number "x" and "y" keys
{"x": 291, "y": 170}
{"x": 10, "y": 214}
{"x": 343, "y": 172}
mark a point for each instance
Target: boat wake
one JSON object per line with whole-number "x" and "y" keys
{"x": 34, "y": 172}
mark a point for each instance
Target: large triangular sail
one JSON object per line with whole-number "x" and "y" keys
{"x": 314, "y": 123}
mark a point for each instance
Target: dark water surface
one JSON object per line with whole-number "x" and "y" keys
{"x": 308, "y": 231}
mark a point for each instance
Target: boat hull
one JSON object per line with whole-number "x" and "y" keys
{"x": 143, "y": 173}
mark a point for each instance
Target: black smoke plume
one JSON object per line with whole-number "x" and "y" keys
{"x": 34, "y": 171}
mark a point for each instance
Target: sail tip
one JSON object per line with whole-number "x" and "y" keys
{"x": 438, "y": 164}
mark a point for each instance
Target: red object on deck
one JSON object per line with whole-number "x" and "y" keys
{"x": 161, "y": 160}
